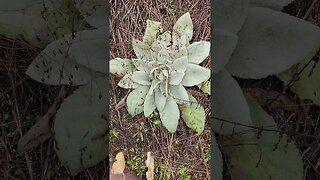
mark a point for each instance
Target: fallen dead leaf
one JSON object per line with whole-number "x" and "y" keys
{"x": 121, "y": 103}
{"x": 150, "y": 166}
{"x": 41, "y": 131}
{"x": 118, "y": 170}
{"x": 119, "y": 165}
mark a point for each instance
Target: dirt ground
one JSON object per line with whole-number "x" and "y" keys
{"x": 182, "y": 155}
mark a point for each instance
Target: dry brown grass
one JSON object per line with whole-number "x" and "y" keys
{"x": 128, "y": 20}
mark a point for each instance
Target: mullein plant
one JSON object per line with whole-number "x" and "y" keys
{"x": 165, "y": 64}
{"x": 253, "y": 39}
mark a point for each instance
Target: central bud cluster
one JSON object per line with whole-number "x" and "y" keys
{"x": 161, "y": 72}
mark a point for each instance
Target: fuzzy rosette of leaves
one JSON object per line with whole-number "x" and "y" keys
{"x": 166, "y": 63}
{"x": 254, "y": 39}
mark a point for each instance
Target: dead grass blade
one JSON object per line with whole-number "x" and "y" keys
{"x": 41, "y": 131}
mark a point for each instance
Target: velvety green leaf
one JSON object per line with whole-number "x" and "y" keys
{"x": 193, "y": 115}
{"x": 163, "y": 56}
{"x": 142, "y": 50}
{"x": 54, "y": 66}
{"x": 273, "y": 4}
{"x": 95, "y": 11}
{"x": 142, "y": 65}
{"x": 217, "y": 159}
{"x": 127, "y": 82}
{"x": 205, "y": 87}
{"x": 121, "y": 66}
{"x": 80, "y": 127}
{"x": 153, "y": 29}
{"x": 6, "y": 5}
{"x": 135, "y": 100}
{"x": 178, "y": 53}
{"x": 179, "y": 94}
{"x": 198, "y": 51}
{"x": 141, "y": 77}
{"x": 251, "y": 158}
{"x": 229, "y": 15}
{"x": 180, "y": 64}
{"x": 182, "y": 31}
{"x": 88, "y": 48}
{"x": 170, "y": 115}
{"x": 229, "y": 104}
{"x": 154, "y": 84}
{"x": 223, "y": 46}
{"x": 163, "y": 41}
{"x": 61, "y": 17}
{"x": 30, "y": 19}
{"x": 271, "y": 42}
{"x": 194, "y": 75}
{"x": 160, "y": 99}
{"x": 164, "y": 88}
{"x": 307, "y": 86}
{"x": 149, "y": 104}
{"x": 175, "y": 77}
{"x": 14, "y": 22}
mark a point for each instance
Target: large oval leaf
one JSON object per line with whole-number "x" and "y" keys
{"x": 54, "y": 66}
{"x": 179, "y": 94}
{"x": 273, "y": 4}
{"x": 163, "y": 41}
{"x": 160, "y": 99}
{"x": 80, "y": 127}
{"x": 152, "y": 30}
{"x": 195, "y": 75}
{"x": 163, "y": 56}
{"x": 180, "y": 64}
{"x": 94, "y": 11}
{"x": 224, "y": 43}
{"x": 182, "y": 31}
{"x": 270, "y": 42}
{"x": 149, "y": 104}
{"x": 121, "y": 66}
{"x": 229, "y": 15}
{"x": 193, "y": 115}
{"x": 143, "y": 65}
{"x": 228, "y": 104}
{"x": 170, "y": 115}
{"x": 135, "y": 100}
{"x": 141, "y": 77}
{"x": 61, "y": 17}
{"x": 198, "y": 51}
{"x": 88, "y": 48}
{"x": 39, "y": 21}
{"x": 142, "y": 50}
{"x": 14, "y": 22}
{"x": 175, "y": 77}
{"x": 127, "y": 82}
{"x": 251, "y": 158}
